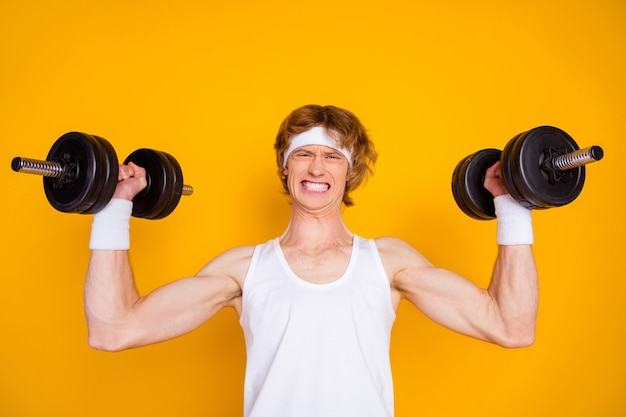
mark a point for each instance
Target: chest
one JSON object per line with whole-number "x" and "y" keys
{"x": 320, "y": 266}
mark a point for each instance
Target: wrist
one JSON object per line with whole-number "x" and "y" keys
{"x": 514, "y": 222}
{"x": 110, "y": 229}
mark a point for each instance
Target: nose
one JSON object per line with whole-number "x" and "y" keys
{"x": 316, "y": 167}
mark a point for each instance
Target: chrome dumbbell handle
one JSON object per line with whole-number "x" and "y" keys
{"x": 55, "y": 170}
{"x": 37, "y": 167}
{"x": 578, "y": 158}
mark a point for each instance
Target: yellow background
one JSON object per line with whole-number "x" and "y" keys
{"x": 210, "y": 82}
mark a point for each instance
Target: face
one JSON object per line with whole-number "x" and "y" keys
{"x": 316, "y": 176}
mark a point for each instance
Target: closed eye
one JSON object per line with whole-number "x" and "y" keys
{"x": 335, "y": 156}
{"x": 302, "y": 154}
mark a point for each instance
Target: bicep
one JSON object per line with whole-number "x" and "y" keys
{"x": 179, "y": 307}
{"x": 183, "y": 305}
{"x": 448, "y": 299}
{"x": 445, "y": 297}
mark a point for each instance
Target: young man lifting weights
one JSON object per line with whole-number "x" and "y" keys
{"x": 317, "y": 303}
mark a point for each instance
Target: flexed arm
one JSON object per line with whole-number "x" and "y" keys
{"x": 118, "y": 317}
{"x": 514, "y": 283}
{"x": 505, "y": 312}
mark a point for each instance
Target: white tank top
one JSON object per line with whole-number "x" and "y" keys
{"x": 317, "y": 350}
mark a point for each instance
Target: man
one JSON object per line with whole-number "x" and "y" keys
{"x": 317, "y": 303}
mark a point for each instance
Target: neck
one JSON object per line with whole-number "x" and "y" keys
{"x": 308, "y": 230}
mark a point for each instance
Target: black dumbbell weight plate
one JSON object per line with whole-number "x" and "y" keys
{"x": 176, "y": 187}
{"x": 526, "y": 157}
{"x": 507, "y": 172}
{"x": 108, "y": 170}
{"x": 90, "y": 177}
{"x": 160, "y": 176}
{"x": 468, "y": 184}
{"x": 459, "y": 170}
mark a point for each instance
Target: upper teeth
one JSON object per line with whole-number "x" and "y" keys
{"x": 315, "y": 186}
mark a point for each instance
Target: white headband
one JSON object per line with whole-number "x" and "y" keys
{"x": 315, "y": 136}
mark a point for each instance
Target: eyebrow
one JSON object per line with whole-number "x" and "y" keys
{"x": 326, "y": 153}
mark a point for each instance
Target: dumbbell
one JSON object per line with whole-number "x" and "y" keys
{"x": 80, "y": 175}
{"x": 541, "y": 168}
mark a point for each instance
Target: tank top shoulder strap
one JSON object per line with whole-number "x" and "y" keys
{"x": 260, "y": 251}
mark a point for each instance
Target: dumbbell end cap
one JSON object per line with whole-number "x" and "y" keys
{"x": 17, "y": 163}
{"x": 597, "y": 153}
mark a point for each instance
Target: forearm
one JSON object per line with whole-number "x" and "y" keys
{"x": 515, "y": 291}
{"x": 110, "y": 290}
{"x": 110, "y": 294}
{"x": 514, "y": 286}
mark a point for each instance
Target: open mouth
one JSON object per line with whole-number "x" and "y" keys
{"x": 316, "y": 187}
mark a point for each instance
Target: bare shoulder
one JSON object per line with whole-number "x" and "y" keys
{"x": 392, "y": 249}
{"x": 232, "y": 263}
{"x": 398, "y": 256}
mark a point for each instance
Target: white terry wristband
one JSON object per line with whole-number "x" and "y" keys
{"x": 110, "y": 229}
{"x": 514, "y": 222}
